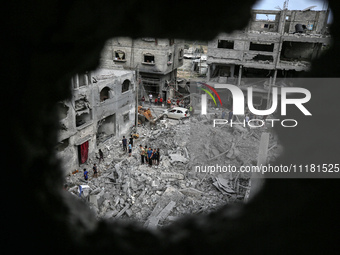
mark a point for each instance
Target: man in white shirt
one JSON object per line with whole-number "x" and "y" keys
{"x": 150, "y": 97}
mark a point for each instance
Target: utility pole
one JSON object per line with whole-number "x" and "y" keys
{"x": 282, "y": 22}
{"x": 137, "y": 81}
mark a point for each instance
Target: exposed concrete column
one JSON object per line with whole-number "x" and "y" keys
{"x": 87, "y": 80}
{"x": 257, "y": 179}
{"x": 274, "y": 78}
{"x": 208, "y": 73}
{"x": 76, "y": 81}
{"x": 239, "y": 76}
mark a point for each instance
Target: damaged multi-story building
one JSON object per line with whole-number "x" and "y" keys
{"x": 275, "y": 44}
{"x": 155, "y": 61}
{"x": 102, "y": 106}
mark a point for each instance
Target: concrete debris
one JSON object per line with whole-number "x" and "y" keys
{"x": 169, "y": 176}
{"x": 223, "y": 185}
{"x": 192, "y": 192}
{"x": 179, "y": 185}
{"x": 177, "y": 158}
{"x": 122, "y": 211}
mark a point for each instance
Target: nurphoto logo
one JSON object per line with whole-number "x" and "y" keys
{"x": 238, "y": 105}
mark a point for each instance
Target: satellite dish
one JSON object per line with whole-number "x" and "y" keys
{"x": 309, "y": 8}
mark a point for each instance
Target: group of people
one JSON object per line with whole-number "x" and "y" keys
{"x": 125, "y": 145}
{"x": 95, "y": 172}
{"x": 158, "y": 100}
{"x": 149, "y": 156}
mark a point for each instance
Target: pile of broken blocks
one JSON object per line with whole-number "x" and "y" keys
{"x": 155, "y": 196}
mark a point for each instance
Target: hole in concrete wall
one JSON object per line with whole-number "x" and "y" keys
{"x": 169, "y": 56}
{"x": 83, "y": 118}
{"x": 62, "y": 145}
{"x": 62, "y": 110}
{"x": 255, "y": 72}
{"x": 151, "y": 85}
{"x": 82, "y": 104}
{"x": 264, "y": 16}
{"x": 269, "y": 26}
{"x": 260, "y": 57}
{"x": 126, "y": 86}
{"x": 221, "y": 70}
{"x": 269, "y": 47}
{"x": 104, "y": 94}
{"x": 299, "y": 51}
{"x": 225, "y": 44}
{"x": 106, "y": 128}
{"x": 126, "y": 117}
{"x": 119, "y": 55}
{"x": 149, "y": 58}
{"x": 82, "y": 80}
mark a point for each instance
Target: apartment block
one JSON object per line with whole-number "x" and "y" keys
{"x": 102, "y": 107}
{"x": 155, "y": 61}
{"x": 276, "y": 44}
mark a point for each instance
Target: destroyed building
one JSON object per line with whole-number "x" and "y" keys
{"x": 102, "y": 106}
{"x": 155, "y": 60}
{"x": 275, "y": 44}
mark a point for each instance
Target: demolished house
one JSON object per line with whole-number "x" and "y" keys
{"x": 154, "y": 59}
{"x": 276, "y": 44}
{"x": 102, "y": 106}
{"x": 180, "y": 185}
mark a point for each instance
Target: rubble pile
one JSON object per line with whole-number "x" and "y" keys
{"x": 155, "y": 196}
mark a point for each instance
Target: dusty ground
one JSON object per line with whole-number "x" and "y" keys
{"x": 155, "y": 196}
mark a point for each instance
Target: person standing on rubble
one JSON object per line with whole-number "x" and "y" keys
{"x": 146, "y": 154}
{"x": 157, "y": 156}
{"x": 161, "y": 101}
{"x": 168, "y": 102}
{"x": 230, "y": 116}
{"x": 150, "y": 98}
{"x": 131, "y": 140}
{"x": 124, "y": 142}
{"x": 159, "y": 98}
{"x": 246, "y": 118}
{"x": 130, "y": 149}
{"x": 143, "y": 100}
{"x": 86, "y": 174}
{"x": 156, "y": 101}
{"x": 101, "y": 155}
{"x": 95, "y": 171}
{"x": 142, "y": 152}
{"x": 223, "y": 114}
{"x": 191, "y": 110}
{"x": 150, "y": 157}
{"x": 154, "y": 156}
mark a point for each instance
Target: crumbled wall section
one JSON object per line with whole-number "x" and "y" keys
{"x": 47, "y": 42}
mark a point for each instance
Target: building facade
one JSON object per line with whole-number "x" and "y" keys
{"x": 154, "y": 60}
{"x": 276, "y": 44}
{"x": 102, "y": 106}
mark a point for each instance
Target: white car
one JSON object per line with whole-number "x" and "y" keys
{"x": 177, "y": 113}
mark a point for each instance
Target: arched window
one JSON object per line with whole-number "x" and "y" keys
{"x": 126, "y": 86}
{"x": 104, "y": 94}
